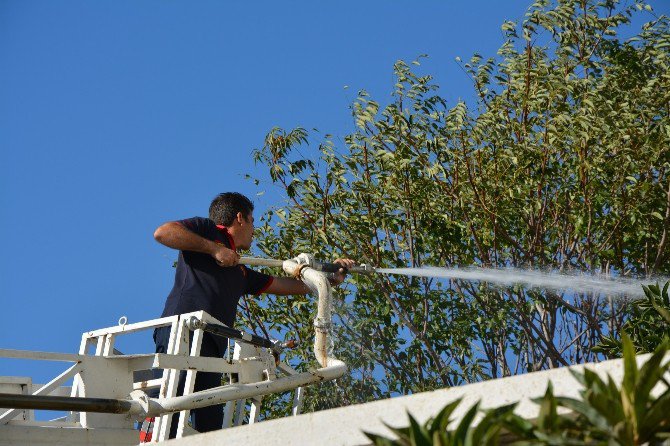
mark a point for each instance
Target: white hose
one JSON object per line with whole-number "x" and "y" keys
{"x": 322, "y": 323}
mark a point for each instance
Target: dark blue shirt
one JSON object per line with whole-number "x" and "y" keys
{"x": 201, "y": 284}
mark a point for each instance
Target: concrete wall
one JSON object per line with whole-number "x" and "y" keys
{"x": 344, "y": 426}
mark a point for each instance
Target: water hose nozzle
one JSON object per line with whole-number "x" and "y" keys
{"x": 334, "y": 267}
{"x": 363, "y": 269}
{"x": 308, "y": 259}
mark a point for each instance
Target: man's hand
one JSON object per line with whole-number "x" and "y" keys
{"x": 173, "y": 235}
{"x": 225, "y": 256}
{"x": 342, "y": 273}
{"x": 287, "y": 285}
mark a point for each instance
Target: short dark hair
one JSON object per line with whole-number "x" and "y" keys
{"x": 225, "y": 206}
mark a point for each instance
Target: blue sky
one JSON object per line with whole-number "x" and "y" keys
{"x": 116, "y": 116}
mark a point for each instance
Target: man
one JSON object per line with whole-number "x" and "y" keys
{"x": 209, "y": 278}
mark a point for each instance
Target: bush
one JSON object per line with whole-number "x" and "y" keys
{"x": 647, "y": 326}
{"x": 606, "y": 413}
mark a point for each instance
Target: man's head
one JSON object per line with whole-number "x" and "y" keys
{"x": 234, "y": 211}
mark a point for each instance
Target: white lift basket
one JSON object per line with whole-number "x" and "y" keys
{"x": 107, "y": 398}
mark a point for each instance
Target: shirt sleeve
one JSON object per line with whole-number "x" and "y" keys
{"x": 257, "y": 282}
{"x": 199, "y": 225}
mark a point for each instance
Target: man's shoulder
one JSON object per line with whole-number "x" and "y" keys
{"x": 197, "y": 221}
{"x": 200, "y": 225}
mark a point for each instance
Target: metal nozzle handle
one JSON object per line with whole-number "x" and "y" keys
{"x": 320, "y": 266}
{"x": 334, "y": 267}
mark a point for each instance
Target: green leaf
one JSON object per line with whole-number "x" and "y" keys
{"x": 547, "y": 418}
{"x": 584, "y": 409}
{"x": 650, "y": 374}
{"x": 463, "y": 427}
{"x": 442, "y": 419}
{"x": 379, "y": 440}
{"x": 418, "y": 435}
{"x": 630, "y": 365}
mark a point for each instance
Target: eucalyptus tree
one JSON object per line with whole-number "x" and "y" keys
{"x": 561, "y": 163}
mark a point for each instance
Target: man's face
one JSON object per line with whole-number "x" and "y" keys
{"x": 246, "y": 231}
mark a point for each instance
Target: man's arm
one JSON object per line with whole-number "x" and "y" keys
{"x": 176, "y": 236}
{"x": 284, "y": 286}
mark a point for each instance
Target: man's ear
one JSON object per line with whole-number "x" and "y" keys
{"x": 240, "y": 218}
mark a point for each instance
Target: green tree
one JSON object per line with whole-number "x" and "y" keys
{"x": 561, "y": 163}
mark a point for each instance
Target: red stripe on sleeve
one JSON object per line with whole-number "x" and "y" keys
{"x": 266, "y": 286}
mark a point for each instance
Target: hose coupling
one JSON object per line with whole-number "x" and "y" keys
{"x": 322, "y": 325}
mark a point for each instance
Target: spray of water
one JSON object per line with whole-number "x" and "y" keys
{"x": 530, "y": 278}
